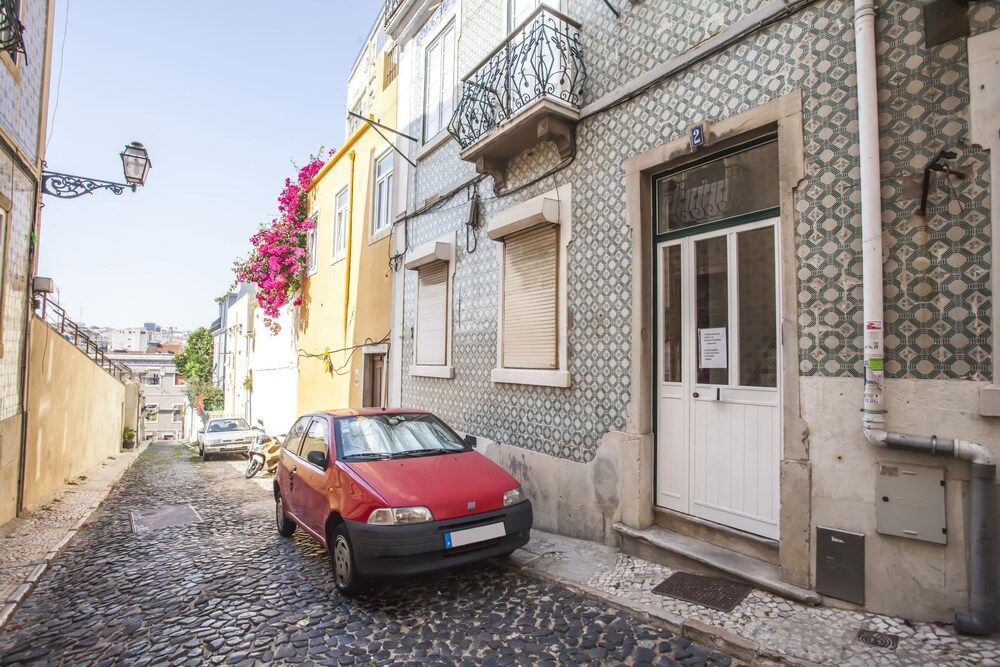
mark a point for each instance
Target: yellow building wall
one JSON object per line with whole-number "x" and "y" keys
{"x": 347, "y": 302}
{"x": 74, "y": 411}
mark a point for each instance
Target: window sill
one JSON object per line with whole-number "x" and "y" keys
{"x": 338, "y": 259}
{"x": 446, "y": 372}
{"x": 380, "y": 234}
{"x": 542, "y": 378}
{"x": 433, "y": 144}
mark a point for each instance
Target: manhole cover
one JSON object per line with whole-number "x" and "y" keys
{"x": 712, "y": 592}
{"x": 163, "y": 517}
{"x": 878, "y": 639}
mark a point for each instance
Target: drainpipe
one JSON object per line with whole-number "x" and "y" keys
{"x": 981, "y": 618}
{"x": 349, "y": 250}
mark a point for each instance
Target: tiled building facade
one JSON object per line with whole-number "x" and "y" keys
{"x": 23, "y": 101}
{"x": 589, "y": 452}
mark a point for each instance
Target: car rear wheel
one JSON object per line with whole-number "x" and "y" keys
{"x": 285, "y": 525}
{"x": 345, "y": 574}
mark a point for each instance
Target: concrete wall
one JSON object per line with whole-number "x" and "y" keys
{"x": 10, "y": 457}
{"x": 74, "y": 413}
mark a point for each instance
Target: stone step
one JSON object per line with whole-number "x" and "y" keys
{"x": 756, "y": 572}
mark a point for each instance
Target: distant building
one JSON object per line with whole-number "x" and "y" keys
{"x": 219, "y": 327}
{"x": 131, "y": 339}
{"x": 162, "y": 394}
{"x": 150, "y": 327}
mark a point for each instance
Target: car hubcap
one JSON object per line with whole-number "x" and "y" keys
{"x": 342, "y": 560}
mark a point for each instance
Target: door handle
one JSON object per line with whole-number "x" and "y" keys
{"x": 695, "y": 395}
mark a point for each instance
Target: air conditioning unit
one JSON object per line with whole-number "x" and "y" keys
{"x": 43, "y": 285}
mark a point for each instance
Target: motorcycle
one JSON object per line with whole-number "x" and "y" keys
{"x": 263, "y": 452}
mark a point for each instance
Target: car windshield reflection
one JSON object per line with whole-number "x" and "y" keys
{"x": 396, "y": 436}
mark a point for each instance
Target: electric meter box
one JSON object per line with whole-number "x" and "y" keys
{"x": 910, "y": 502}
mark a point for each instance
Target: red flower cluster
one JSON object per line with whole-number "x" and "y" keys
{"x": 280, "y": 257}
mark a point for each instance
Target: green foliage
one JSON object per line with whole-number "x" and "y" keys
{"x": 128, "y": 435}
{"x": 212, "y": 397}
{"x": 194, "y": 362}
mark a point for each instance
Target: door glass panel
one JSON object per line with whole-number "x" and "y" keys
{"x": 712, "y": 310}
{"x": 315, "y": 440}
{"x": 671, "y": 348}
{"x": 758, "y": 310}
{"x": 738, "y": 184}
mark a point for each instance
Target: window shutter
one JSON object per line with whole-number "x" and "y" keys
{"x": 432, "y": 309}
{"x": 432, "y": 105}
{"x": 447, "y": 77}
{"x": 530, "y": 299}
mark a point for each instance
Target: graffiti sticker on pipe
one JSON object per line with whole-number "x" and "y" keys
{"x": 873, "y": 338}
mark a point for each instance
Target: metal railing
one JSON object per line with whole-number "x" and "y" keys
{"x": 541, "y": 59}
{"x": 391, "y": 7}
{"x": 54, "y": 315}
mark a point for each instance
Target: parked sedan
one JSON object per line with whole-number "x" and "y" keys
{"x": 225, "y": 435}
{"x": 395, "y": 492}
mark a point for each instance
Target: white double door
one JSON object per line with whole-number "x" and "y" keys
{"x": 717, "y": 379}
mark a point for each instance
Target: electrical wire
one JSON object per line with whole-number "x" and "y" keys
{"x": 62, "y": 61}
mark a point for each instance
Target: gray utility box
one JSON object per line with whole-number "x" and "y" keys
{"x": 910, "y": 502}
{"x": 840, "y": 564}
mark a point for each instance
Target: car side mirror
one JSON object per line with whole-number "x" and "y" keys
{"x": 317, "y": 458}
{"x": 200, "y": 431}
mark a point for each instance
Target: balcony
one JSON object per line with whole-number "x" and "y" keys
{"x": 526, "y": 91}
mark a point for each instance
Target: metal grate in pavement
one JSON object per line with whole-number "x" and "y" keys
{"x": 712, "y": 592}
{"x": 878, "y": 639}
{"x": 163, "y": 517}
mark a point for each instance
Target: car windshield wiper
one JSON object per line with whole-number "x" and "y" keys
{"x": 367, "y": 456}
{"x": 419, "y": 452}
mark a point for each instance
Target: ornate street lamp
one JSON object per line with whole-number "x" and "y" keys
{"x": 135, "y": 164}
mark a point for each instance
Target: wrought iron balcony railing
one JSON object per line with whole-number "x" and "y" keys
{"x": 540, "y": 60}
{"x": 53, "y": 315}
{"x": 391, "y": 6}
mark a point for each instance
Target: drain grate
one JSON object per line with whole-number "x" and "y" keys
{"x": 712, "y": 592}
{"x": 878, "y": 639}
{"x": 163, "y": 517}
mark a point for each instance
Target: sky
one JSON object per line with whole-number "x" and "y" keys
{"x": 225, "y": 95}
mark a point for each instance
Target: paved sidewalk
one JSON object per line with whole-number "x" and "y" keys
{"x": 30, "y": 542}
{"x": 763, "y": 628}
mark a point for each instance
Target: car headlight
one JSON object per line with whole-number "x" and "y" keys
{"x": 394, "y": 516}
{"x": 513, "y": 497}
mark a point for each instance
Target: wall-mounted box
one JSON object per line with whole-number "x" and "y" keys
{"x": 840, "y": 564}
{"x": 910, "y": 502}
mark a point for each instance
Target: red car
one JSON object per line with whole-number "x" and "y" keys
{"x": 395, "y": 492}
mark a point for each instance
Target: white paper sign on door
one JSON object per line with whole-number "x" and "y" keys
{"x": 712, "y": 348}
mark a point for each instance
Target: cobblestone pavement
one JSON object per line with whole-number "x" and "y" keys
{"x": 230, "y": 590}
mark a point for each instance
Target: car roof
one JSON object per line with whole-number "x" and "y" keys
{"x": 368, "y": 412}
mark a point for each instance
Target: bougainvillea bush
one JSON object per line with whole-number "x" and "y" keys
{"x": 279, "y": 256}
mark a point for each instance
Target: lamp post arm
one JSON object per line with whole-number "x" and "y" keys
{"x": 68, "y": 186}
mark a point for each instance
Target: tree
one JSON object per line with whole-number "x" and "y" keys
{"x": 194, "y": 362}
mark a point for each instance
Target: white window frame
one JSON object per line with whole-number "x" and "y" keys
{"x": 148, "y": 409}
{"x": 558, "y": 5}
{"x": 447, "y": 27}
{"x": 177, "y": 414}
{"x": 441, "y": 249}
{"x": 377, "y": 232}
{"x": 312, "y": 237}
{"x": 552, "y": 207}
{"x": 341, "y": 217}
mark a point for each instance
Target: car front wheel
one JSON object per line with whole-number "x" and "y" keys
{"x": 285, "y": 525}
{"x": 345, "y": 574}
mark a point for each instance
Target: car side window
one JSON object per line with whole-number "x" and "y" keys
{"x": 315, "y": 438}
{"x": 294, "y": 438}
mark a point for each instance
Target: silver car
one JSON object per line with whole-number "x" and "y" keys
{"x": 225, "y": 435}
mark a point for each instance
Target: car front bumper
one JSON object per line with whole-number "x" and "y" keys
{"x": 419, "y": 548}
{"x": 226, "y": 447}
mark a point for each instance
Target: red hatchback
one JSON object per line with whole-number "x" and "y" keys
{"x": 392, "y": 492}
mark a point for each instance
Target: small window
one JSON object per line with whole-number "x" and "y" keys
{"x": 432, "y": 309}
{"x": 294, "y": 438}
{"x": 315, "y": 440}
{"x": 152, "y": 379}
{"x": 530, "y": 299}
{"x": 177, "y": 413}
{"x": 311, "y": 242}
{"x": 152, "y": 412}
{"x": 439, "y": 82}
{"x": 391, "y": 66}
{"x": 340, "y": 224}
{"x": 178, "y": 380}
{"x": 382, "y": 214}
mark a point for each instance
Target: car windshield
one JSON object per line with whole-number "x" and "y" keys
{"x": 223, "y": 425}
{"x": 396, "y": 436}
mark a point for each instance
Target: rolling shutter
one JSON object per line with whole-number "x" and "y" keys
{"x": 432, "y": 309}
{"x": 530, "y": 298}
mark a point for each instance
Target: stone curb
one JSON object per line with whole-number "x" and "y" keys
{"x": 698, "y": 632}
{"x": 14, "y": 600}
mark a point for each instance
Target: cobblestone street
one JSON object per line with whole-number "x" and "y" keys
{"x": 230, "y": 590}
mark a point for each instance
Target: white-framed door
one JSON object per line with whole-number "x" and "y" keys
{"x": 717, "y": 376}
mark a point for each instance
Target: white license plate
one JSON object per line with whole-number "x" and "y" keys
{"x": 459, "y": 538}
